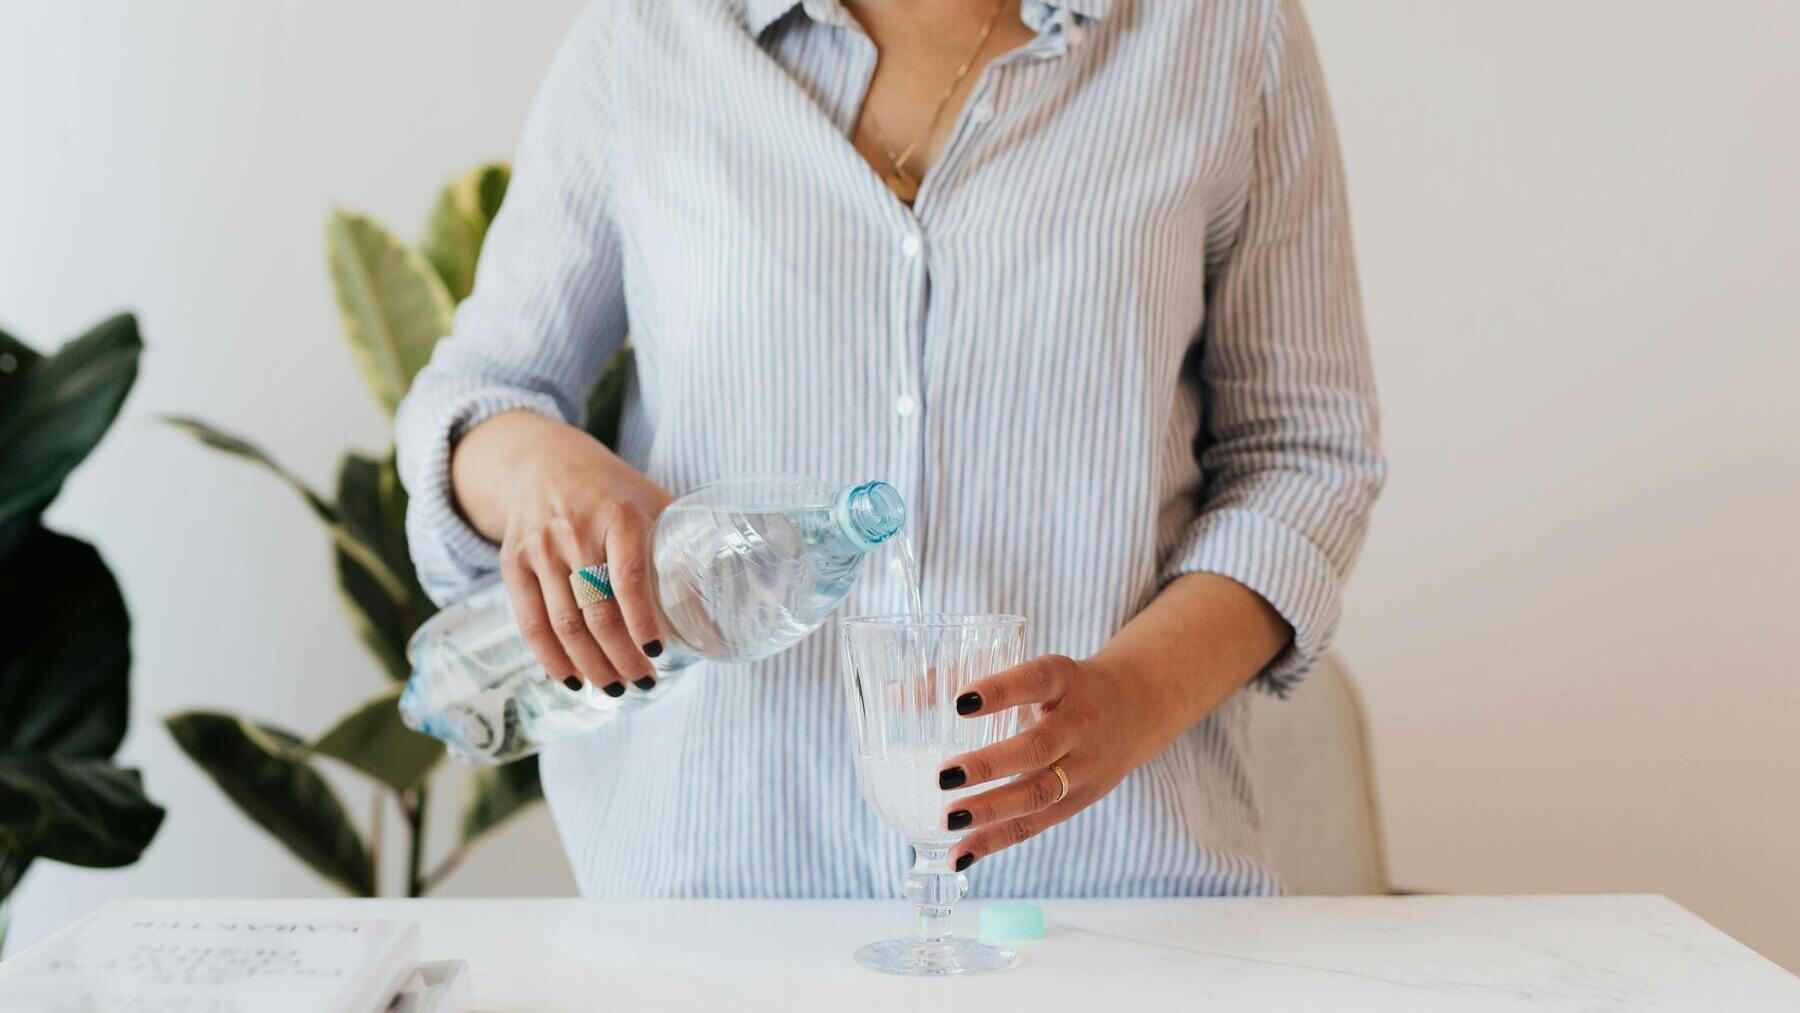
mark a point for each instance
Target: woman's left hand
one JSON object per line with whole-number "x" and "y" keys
{"x": 1094, "y": 721}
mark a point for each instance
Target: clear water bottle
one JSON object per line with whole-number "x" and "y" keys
{"x": 741, "y": 570}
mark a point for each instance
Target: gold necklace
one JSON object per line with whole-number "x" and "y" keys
{"x": 902, "y": 182}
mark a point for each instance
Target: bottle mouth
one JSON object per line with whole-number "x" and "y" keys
{"x": 871, "y": 513}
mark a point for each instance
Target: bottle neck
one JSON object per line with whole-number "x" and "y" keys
{"x": 868, "y": 514}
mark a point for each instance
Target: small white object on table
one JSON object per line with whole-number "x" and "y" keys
{"x": 1439, "y": 953}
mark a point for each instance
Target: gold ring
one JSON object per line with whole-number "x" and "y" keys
{"x": 1064, "y": 778}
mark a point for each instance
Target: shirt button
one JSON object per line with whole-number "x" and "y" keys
{"x": 982, "y": 112}
{"x": 904, "y": 406}
{"x": 911, "y": 246}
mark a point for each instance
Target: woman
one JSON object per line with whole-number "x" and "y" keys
{"x": 1075, "y": 277}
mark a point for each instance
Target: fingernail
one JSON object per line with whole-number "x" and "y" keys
{"x": 964, "y": 860}
{"x": 573, "y": 682}
{"x": 614, "y": 689}
{"x": 653, "y": 649}
{"x": 959, "y": 820}
{"x": 952, "y": 777}
{"x": 647, "y": 682}
{"x": 968, "y": 703}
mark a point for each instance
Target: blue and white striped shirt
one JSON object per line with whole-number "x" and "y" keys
{"x": 1118, "y": 339}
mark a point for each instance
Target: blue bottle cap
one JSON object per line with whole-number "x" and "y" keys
{"x": 1012, "y": 923}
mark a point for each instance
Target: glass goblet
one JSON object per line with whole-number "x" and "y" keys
{"x": 902, "y": 675}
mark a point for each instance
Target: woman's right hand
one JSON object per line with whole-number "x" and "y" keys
{"x": 557, "y": 500}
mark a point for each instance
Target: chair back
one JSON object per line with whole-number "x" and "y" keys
{"x": 1310, "y": 765}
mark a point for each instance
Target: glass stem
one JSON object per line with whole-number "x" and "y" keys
{"x": 934, "y": 890}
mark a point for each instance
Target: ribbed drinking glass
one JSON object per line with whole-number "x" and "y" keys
{"x": 902, "y": 675}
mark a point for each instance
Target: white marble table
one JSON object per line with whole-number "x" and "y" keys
{"x": 1445, "y": 953}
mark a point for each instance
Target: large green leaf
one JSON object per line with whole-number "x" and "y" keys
{"x": 84, "y": 812}
{"x": 606, "y": 402}
{"x": 459, "y": 224}
{"x": 379, "y": 621}
{"x": 362, "y": 553}
{"x": 65, "y": 654}
{"x": 394, "y": 305}
{"x": 397, "y": 549}
{"x": 14, "y": 530}
{"x": 12, "y": 868}
{"x": 498, "y": 793}
{"x": 15, "y": 356}
{"x": 374, "y": 740}
{"x": 282, "y": 794}
{"x": 360, "y": 506}
{"x": 55, "y": 410}
{"x": 237, "y": 446}
{"x": 372, "y": 504}
{"x": 382, "y": 612}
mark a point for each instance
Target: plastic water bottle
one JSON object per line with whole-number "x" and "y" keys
{"x": 741, "y": 570}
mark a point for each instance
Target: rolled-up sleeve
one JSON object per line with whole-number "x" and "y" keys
{"x": 546, "y": 314}
{"x": 1288, "y": 447}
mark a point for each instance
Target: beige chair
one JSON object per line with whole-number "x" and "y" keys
{"x": 1310, "y": 764}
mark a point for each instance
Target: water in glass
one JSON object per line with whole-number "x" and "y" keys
{"x": 902, "y": 675}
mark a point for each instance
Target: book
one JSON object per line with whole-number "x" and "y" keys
{"x": 162, "y": 957}
{"x": 441, "y": 986}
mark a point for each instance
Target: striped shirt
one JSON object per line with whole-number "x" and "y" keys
{"x": 1118, "y": 339}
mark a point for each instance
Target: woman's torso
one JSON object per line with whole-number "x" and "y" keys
{"x": 1009, "y": 354}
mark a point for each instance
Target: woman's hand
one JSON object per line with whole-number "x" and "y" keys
{"x": 1095, "y": 723}
{"x": 557, "y": 500}
{"x": 1098, "y": 720}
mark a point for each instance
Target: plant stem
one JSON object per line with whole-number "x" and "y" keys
{"x": 415, "y": 879}
{"x": 445, "y": 867}
{"x": 377, "y": 807}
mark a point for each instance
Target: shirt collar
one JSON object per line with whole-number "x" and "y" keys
{"x": 1093, "y": 10}
{"x": 760, "y": 14}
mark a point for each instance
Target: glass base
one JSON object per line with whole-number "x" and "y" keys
{"x": 935, "y": 959}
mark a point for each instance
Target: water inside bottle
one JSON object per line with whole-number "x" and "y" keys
{"x": 756, "y": 592}
{"x": 741, "y": 570}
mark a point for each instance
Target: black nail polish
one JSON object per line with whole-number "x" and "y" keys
{"x": 964, "y": 860}
{"x": 614, "y": 689}
{"x": 647, "y": 682}
{"x": 959, "y": 820}
{"x": 573, "y": 682}
{"x": 952, "y": 777}
{"x": 968, "y": 703}
{"x": 653, "y": 649}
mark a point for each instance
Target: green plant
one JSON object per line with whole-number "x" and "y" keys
{"x": 65, "y": 658}
{"x": 396, "y": 302}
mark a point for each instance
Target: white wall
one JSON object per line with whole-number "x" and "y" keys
{"x": 1576, "y": 622}
{"x": 179, "y": 158}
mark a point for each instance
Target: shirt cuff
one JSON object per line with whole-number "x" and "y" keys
{"x": 1278, "y": 563}
{"x": 451, "y": 557}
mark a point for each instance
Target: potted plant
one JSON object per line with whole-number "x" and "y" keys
{"x": 65, "y": 659}
{"x": 396, "y": 302}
